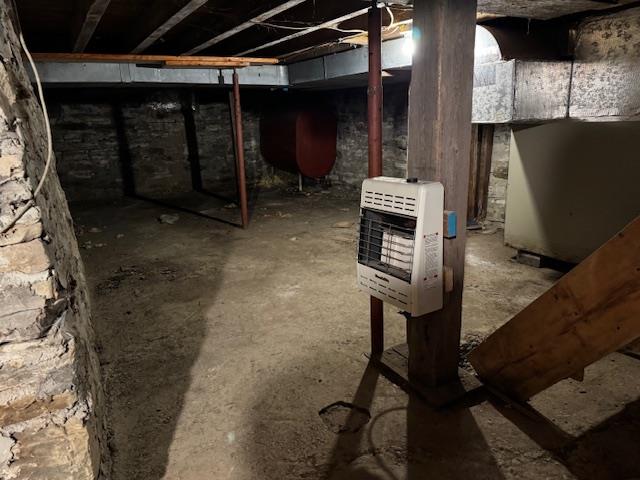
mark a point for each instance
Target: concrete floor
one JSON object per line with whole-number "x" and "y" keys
{"x": 220, "y": 347}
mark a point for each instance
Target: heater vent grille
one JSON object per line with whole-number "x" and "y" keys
{"x": 397, "y": 203}
{"x": 386, "y": 243}
{"x": 378, "y": 286}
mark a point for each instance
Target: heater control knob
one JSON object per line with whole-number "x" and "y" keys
{"x": 412, "y": 180}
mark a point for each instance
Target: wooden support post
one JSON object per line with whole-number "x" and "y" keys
{"x": 479, "y": 172}
{"x": 239, "y": 142}
{"x": 485, "y": 154}
{"x": 439, "y": 143}
{"x": 374, "y": 96}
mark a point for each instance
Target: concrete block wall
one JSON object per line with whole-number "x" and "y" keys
{"x": 51, "y": 403}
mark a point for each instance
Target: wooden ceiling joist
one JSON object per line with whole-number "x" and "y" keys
{"x": 243, "y": 26}
{"x": 95, "y": 11}
{"x": 174, "y": 20}
{"x": 307, "y": 31}
{"x": 161, "y": 60}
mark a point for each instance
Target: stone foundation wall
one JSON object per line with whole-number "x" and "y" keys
{"x": 93, "y": 128}
{"x": 497, "y": 199}
{"x": 50, "y": 400}
{"x": 351, "y": 166}
{"x": 154, "y": 131}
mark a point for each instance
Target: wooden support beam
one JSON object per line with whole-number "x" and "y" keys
{"x": 89, "y": 23}
{"x": 479, "y": 172}
{"x": 439, "y": 149}
{"x": 302, "y": 33}
{"x": 243, "y": 26}
{"x": 174, "y": 20}
{"x": 633, "y": 349}
{"x": 161, "y": 60}
{"x": 592, "y": 311}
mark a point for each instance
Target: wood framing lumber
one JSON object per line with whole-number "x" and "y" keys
{"x": 440, "y": 103}
{"x": 171, "y": 22}
{"x": 199, "y": 61}
{"x": 89, "y": 23}
{"x": 589, "y": 313}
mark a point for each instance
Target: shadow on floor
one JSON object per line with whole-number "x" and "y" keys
{"x": 439, "y": 444}
{"x": 150, "y": 324}
{"x": 608, "y": 451}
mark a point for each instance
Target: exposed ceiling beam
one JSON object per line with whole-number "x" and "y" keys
{"x": 162, "y": 60}
{"x": 243, "y": 26}
{"x": 89, "y": 23}
{"x": 307, "y": 31}
{"x": 175, "y": 19}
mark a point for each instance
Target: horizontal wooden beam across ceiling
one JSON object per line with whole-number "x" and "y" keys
{"x": 163, "y": 60}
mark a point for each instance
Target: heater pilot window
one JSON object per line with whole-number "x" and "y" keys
{"x": 386, "y": 243}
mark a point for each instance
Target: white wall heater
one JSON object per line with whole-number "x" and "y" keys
{"x": 400, "y": 243}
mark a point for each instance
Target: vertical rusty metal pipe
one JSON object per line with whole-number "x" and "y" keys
{"x": 374, "y": 97}
{"x": 240, "y": 169}
{"x": 374, "y": 92}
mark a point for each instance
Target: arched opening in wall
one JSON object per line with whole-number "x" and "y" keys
{"x": 487, "y": 53}
{"x": 487, "y": 49}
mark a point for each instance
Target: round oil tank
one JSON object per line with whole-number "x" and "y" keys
{"x": 300, "y": 141}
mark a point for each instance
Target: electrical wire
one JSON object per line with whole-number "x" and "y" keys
{"x": 284, "y": 27}
{"x": 47, "y": 166}
{"x": 337, "y": 29}
{"x": 393, "y": 19}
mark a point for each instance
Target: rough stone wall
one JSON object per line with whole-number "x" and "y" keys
{"x": 352, "y": 150}
{"x": 50, "y": 396}
{"x": 91, "y": 129}
{"x": 217, "y": 156}
{"x": 607, "y": 66}
{"x": 86, "y": 146}
{"x": 497, "y": 199}
{"x": 156, "y": 142}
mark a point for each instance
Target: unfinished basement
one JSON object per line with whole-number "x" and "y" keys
{"x": 342, "y": 240}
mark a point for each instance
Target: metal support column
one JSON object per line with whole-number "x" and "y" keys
{"x": 239, "y": 139}
{"x": 374, "y": 95}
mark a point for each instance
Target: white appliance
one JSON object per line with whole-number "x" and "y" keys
{"x": 572, "y": 186}
{"x": 400, "y": 243}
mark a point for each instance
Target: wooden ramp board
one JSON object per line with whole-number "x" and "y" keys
{"x": 394, "y": 364}
{"x": 592, "y": 311}
{"x": 633, "y": 349}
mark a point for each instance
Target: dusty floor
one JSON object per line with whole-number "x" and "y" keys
{"x": 221, "y": 346}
